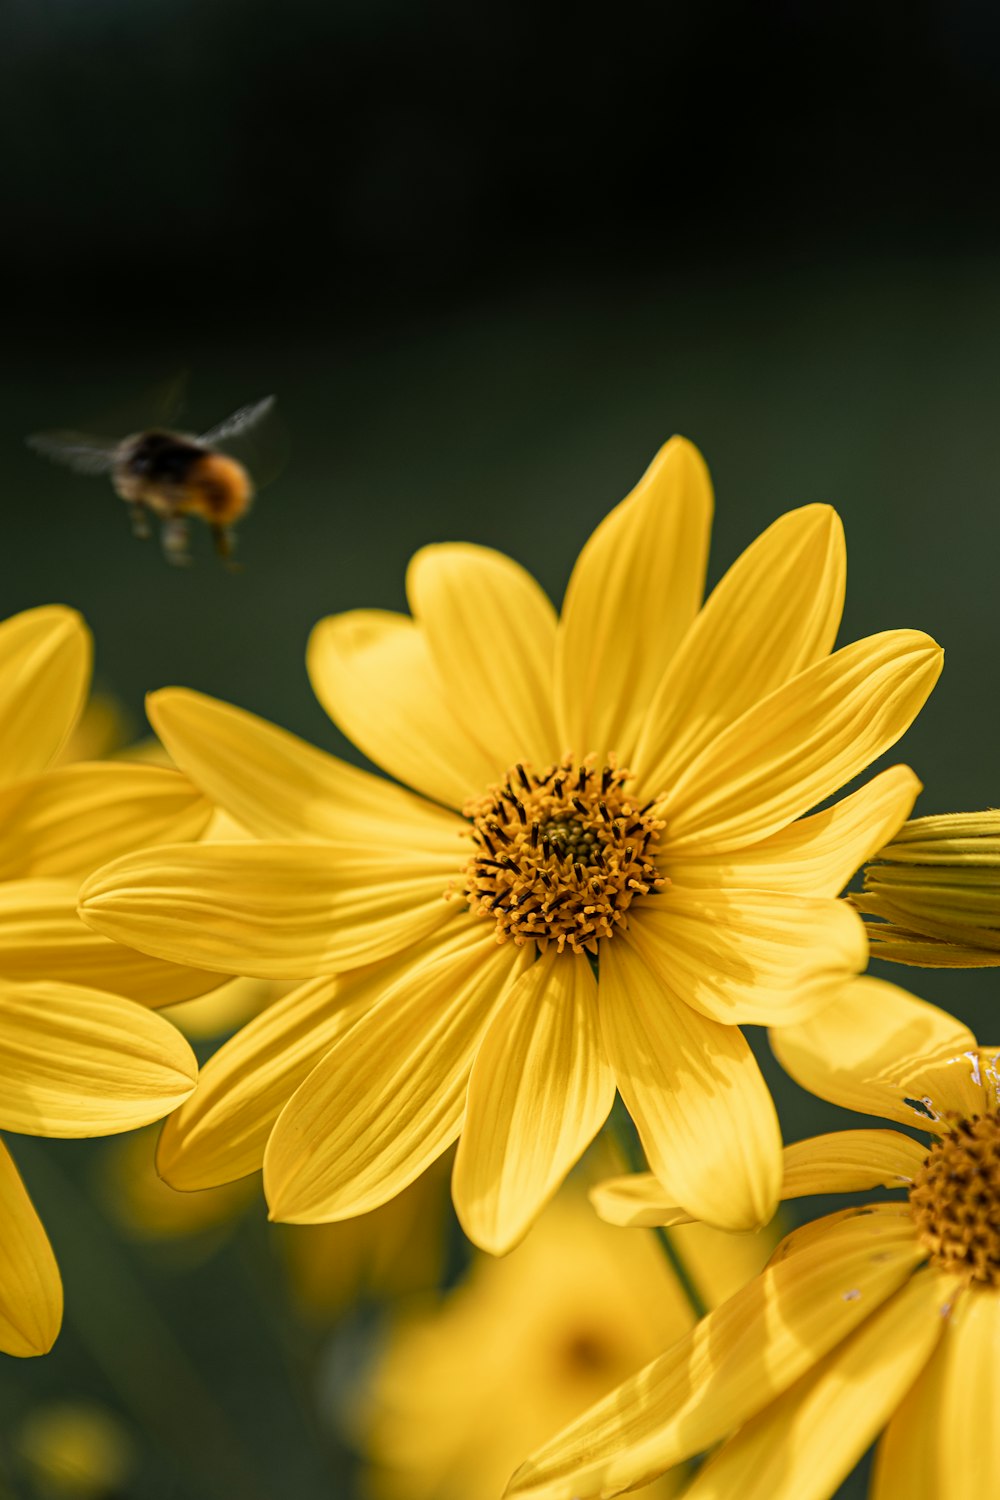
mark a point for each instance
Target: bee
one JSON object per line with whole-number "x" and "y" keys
{"x": 170, "y": 476}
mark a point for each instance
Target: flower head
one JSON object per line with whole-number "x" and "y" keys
{"x": 78, "y": 1055}
{"x": 932, "y": 896}
{"x": 604, "y": 872}
{"x": 878, "y": 1318}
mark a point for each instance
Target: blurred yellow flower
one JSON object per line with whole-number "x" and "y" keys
{"x": 932, "y": 896}
{"x": 75, "y": 1450}
{"x": 78, "y": 1055}
{"x": 392, "y": 1252}
{"x": 625, "y": 784}
{"x": 885, "y": 1316}
{"x": 465, "y": 1387}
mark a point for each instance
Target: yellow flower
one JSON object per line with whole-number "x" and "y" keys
{"x": 78, "y": 1055}
{"x": 885, "y": 1316}
{"x": 75, "y": 1450}
{"x": 631, "y": 778}
{"x": 464, "y": 1388}
{"x": 934, "y": 893}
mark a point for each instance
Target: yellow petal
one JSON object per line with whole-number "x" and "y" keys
{"x": 272, "y": 911}
{"x": 45, "y": 657}
{"x": 851, "y": 1161}
{"x": 220, "y": 1133}
{"x": 813, "y": 856}
{"x": 775, "y": 613}
{"x": 279, "y": 787}
{"x": 638, "y": 1201}
{"x": 970, "y": 1398}
{"x": 389, "y": 1097}
{"x": 75, "y": 818}
{"x": 373, "y": 673}
{"x": 31, "y": 1297}
{"x": 737, "y": 1359}
{"x": 881, "y": 1051}
{"x": 813, "y": 1230}
{"x": 803, "y": 742}
{"x": 41, "y": 937}
{"x": 704, "y": 1115}
{"x": 912, "y": 1462}
{"x": 804, "y": 1444}
{"x": 845, "y": 1161}
{"x": 491, "y": 632}
{"x": 636, "y": 587}
{"x": 749, "y": 957}
{"x": 540, "y": 1091}
{"x": 77, "y": 1062}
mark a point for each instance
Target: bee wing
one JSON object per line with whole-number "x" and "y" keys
{"x": 240, "y": 423}
{"x": 87, "y": 455}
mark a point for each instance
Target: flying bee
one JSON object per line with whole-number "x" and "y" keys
{"x": 170, "y": 476}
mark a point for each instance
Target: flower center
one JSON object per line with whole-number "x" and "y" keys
{"x": 560, "y": 857}
{"x": 955, "y": 1200}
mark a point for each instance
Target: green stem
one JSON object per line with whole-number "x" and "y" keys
{"x": 626, "y": 1137}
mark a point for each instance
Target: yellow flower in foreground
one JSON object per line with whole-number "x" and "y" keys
{"x": 523, "y": 1345}
{"x": 78, "y": 1055}
{"x": 631, "y": 779}
{"x": 934, "y": 893}
{"x": 884, "y": 1316}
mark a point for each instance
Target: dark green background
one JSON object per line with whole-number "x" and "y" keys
{"x": 488, "y": 263}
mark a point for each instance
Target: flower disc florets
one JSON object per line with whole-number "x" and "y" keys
{"x": 560, "y": 856}
{"x": 955, "y": 1200}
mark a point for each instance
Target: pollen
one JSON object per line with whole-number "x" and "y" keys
{"x": 955, "y": 1200}
{"x": 559, "y": 857}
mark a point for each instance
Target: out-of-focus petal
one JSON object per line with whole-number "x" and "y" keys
{"x": 31, "y": 1297}
{"x": 45, "y": 659}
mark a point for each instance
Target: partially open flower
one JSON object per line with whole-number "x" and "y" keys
{"x": 932, "y": 897}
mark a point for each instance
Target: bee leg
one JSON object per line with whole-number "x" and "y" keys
{"x": 174, "y": 540}
{"x": 140, "y": 520}
{"x": 225, "y": 542}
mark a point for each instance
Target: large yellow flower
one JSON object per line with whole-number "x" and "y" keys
{"x": 883, "y": 1316}
{"x": 606, "y": 874}
{"x": 78, "y": 1056}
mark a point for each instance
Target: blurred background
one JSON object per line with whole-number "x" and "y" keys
{"x": 488, "y": 258}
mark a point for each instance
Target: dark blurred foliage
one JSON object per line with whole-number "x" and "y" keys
{"x": 489, "y": 258}
{"x": 305, "y": 159}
